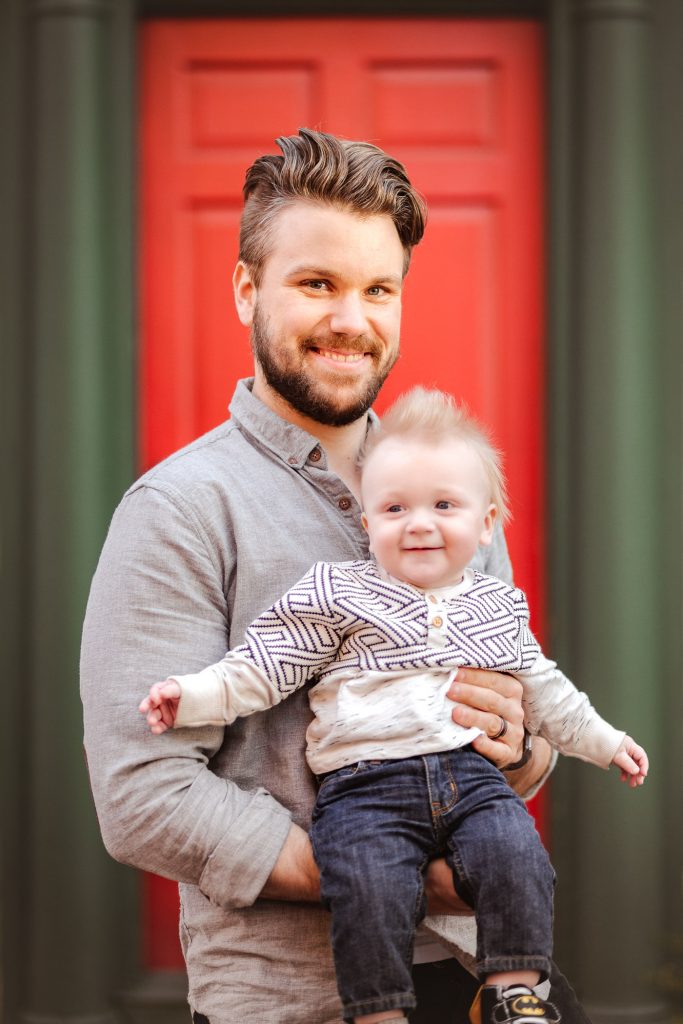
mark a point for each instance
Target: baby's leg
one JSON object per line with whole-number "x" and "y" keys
{"x": 372, "y": 839}
{"x": 502, "y": 870}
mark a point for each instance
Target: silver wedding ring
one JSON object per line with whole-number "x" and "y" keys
{"x": 503, "y": 729}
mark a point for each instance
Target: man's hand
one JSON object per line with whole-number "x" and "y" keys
{"x": 482, "y": 698}
{"x": 295, "y": 875}
{"x": 441, "y": 895}
{"x": 490, "y": 701}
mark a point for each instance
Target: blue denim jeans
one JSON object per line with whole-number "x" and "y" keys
{"x": 377, "y": 824}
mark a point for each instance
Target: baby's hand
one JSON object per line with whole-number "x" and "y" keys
{"x": 161, "y": 707}
{"x": 633, "y": 762}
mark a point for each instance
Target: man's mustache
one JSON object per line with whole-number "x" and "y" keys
{"x": 338, "y": 343}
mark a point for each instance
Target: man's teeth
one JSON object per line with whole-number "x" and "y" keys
{"x": 342, "y": 357}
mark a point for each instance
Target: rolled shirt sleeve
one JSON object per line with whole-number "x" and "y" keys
{"x": 157, "y": 605}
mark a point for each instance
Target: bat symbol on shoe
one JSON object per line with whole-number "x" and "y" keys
{"x": 530, "y": 1006}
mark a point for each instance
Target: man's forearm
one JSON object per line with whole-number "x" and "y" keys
{"x": 295, "y": 875}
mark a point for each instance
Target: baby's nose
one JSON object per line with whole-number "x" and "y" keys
{"x": 420, "y": 522}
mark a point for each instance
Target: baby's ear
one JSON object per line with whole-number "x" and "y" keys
{"x": 489, "y": 523}
{"x": 364, "y": 521}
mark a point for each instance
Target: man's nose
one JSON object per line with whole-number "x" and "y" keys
{"x": 348, "y": 316}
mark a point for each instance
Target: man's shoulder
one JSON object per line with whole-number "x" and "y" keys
{"x": 216, "y": 456}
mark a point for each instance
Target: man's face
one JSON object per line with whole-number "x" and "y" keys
{"x": 427, "y": 508}
{"x": 325, "y": 318}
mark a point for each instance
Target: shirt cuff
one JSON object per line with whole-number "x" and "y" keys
{"x": 243, "y": 860}
{"x": 599, "y": 743}
{"x": 201, "y": 701}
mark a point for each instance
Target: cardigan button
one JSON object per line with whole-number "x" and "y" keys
{"x": 344, "y": 504}
{"x": 315, "y": 455}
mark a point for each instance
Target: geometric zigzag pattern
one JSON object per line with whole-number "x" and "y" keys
{"x": 343, "y": 615}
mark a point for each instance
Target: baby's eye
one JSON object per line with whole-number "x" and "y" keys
{"x": 442, "y": 505}
{"x": 394, "y": 508}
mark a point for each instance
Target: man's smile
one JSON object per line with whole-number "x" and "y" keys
{"x": 339, "y": 356}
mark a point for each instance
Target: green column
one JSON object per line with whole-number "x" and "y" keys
{"x": 79, "y": 455}
{"x": 608, "y": 842}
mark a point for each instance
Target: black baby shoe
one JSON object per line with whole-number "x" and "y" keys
{"x": 516, "y": 1004}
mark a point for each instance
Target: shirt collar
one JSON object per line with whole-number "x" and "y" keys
{"x": 289, "y": 442}
{"x": 443, "y": 593}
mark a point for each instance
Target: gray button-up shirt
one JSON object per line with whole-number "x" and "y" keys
{"x": 198, "y": 547}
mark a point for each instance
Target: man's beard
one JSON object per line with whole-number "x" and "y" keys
{"x": 303, "y": 392}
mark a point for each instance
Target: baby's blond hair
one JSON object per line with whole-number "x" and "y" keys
{"x": 434, "y": 416}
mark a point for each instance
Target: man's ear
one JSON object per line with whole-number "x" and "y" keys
{"x": 245, "y": 293}
{"x": 489, "y": 522}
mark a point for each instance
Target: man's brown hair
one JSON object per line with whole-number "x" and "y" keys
{"x": 322, "y": 168}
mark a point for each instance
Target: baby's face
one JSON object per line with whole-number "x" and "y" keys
{"x": 426, "y": 509}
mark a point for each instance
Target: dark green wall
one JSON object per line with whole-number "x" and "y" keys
{"x": 67, "y": 448}
{"x": 615, "y": 495}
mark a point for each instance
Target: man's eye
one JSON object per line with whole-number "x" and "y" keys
{"x": 376, "y": 289}
{"x": 316, "y": 286}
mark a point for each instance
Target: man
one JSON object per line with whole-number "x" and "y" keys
{"x": 208, "y": 539}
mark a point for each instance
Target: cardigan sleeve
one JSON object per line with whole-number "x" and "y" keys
{"x": 286, "y": 646}
{"x": 563, "y": 715}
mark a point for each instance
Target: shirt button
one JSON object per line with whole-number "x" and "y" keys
{"x": 432, "y": 598}
{"x": 292, "y": 460}
{"x": 344, "y": 504}
{"x": 437, "y": 621}
{"x": 315, "y": 455}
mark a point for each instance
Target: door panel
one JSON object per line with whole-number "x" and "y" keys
{"x": 460, "y": 103}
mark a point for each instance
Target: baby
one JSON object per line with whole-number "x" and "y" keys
{"x": 400, "y": 782}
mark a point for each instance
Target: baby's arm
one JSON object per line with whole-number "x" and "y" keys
{"x": 217, "y": 695}
{"x": 282, "y": 650}
{"x": 161, "y": 706}
{"x": 555, "y": 709}
{"x": 633, "y": 762}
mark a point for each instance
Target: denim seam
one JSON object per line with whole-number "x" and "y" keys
{"x": 461, "y": 880}
{"x": 420, "y": 906}
{"x": 437, "y": 809}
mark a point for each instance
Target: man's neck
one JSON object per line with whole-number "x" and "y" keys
{"x": 340, "y": 444}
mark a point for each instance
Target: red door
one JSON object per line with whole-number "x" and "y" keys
{"x": 460, "y": 103}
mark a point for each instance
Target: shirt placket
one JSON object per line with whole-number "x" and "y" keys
{"x": 437, "y": 620}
